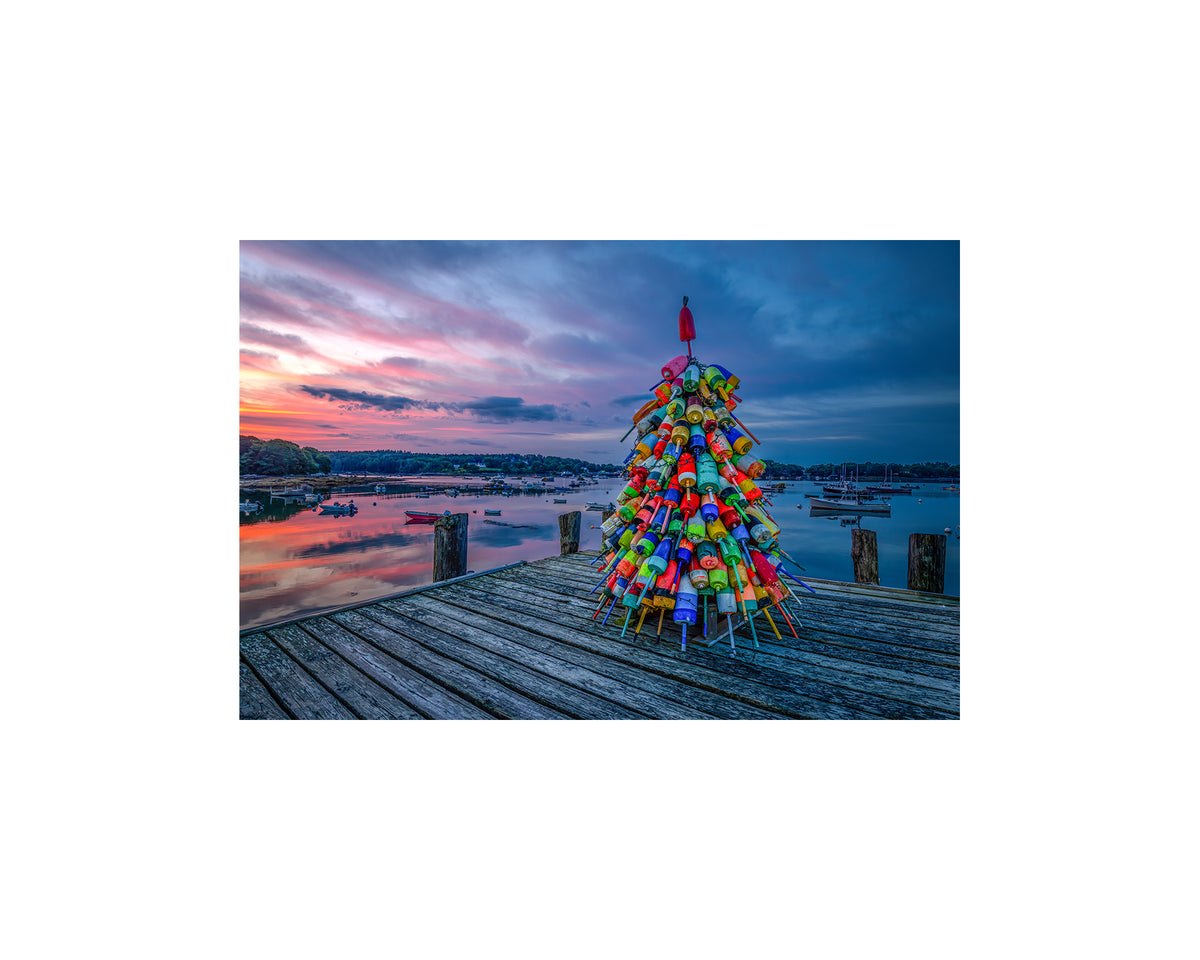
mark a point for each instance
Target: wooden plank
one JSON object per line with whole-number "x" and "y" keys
{"x": 798, "y": 654}
{"x": 935, "y": 623}
{"x": 883, "y": 592}
{"x": 362, "y": 695}
{"x": 428, "y": 698}
{"x": 392, "y": 629}
{"x": 856, "y": 660}
{"x": 727, "y": 676}
{"x": 488, "y": 632}
{"x": 299, "y": 694}
{"x": 871, "y": 641}
{"x": 883, "y": 687}
{"x": 255, "y": 701}
{"x": 355, "y": 630}
{"x": 934, "y": 619}
{"x": 830, "y": 686}
{"x": 707, "y": 704}
{"x": 887, "y": 631}
{"x": 869, "y": 652}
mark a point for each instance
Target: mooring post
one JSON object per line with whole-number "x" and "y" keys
{"x": 927, "y": 562}
{"x": 568, "y": 532}
{"x": 864, "y": 552}
{"x": 449, "y": 547}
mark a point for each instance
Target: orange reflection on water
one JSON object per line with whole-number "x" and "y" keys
{"x": 297, "y": 561}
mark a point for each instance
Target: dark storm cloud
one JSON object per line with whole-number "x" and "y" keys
{"x": 360, "y": 399}
{"x": 509, "y": 408}
{"x": 495, "y": 409}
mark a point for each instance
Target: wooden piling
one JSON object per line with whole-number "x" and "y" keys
{"x": 449, "y": 547}
{"x": 927, "y": 562}
{"x": 568, "y": 532}
{"x": 864, "y": 552}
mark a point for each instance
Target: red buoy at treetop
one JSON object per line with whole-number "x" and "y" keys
{"x": 691, "y": 518}
{"x": 687, "y": 326}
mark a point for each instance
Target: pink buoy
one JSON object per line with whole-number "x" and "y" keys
{"x": 673, "y": 368}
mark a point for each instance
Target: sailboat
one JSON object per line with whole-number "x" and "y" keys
{"x": 888, "y": 488}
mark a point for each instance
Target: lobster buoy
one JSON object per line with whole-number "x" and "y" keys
{"x": 687, "y": 326}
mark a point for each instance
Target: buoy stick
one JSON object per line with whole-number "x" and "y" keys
{"x": 740, "y": 424}
{"x": 732, "y": 645}
{"x": 610, "y": 610}
{"x": 745, "y": 612}
{"x": 661, "y": 613}
{"x": 778, "y": 635}
{"x": 628, "y": 432}
{"x": 627, "y": 616}
{"x": 640, "y": 619}
{"x": 791, "y": 626}
{"x": 684, "y": 647}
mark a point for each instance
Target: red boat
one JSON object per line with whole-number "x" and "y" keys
{"x": 417, "y": 517}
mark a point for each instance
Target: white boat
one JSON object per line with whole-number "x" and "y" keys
{"x": 850, "y": 505}
{"x": 339, "y": 508}
{"x": 249, "y": 506}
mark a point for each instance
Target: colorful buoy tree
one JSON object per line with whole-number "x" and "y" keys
{"x": 691, "y": 526}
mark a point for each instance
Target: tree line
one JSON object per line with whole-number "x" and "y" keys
{"x": 407, "y": 463}
{"x": 275, "y": 458}
{"x": 280, "y": 458}
{"x": 928, "y": 470}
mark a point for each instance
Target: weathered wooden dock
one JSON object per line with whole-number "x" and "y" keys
{"x": 520, "y": 643}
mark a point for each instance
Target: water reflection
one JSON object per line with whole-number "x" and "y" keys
{"x": 295, "y": 561}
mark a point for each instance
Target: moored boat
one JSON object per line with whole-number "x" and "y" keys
{"x": 342, "y": 509}
{"x": 850, "y": 505}
{"x": 415, "y": 516}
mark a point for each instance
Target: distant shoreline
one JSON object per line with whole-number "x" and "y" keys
{"x": 325, "y": 484}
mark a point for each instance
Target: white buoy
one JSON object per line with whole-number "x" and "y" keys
{"x": 947, "y": 529}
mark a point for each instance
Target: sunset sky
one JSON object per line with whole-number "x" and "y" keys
{"x": 847, "y": 351}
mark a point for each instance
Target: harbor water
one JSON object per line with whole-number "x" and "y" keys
{"x": 297, "y": 561}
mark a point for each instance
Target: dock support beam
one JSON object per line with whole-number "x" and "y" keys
{"x": 927, "y": 562}
{"x": 864, "y": 552}
{"x": 568, "y": 532}
{"x": 449, "y": 547}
